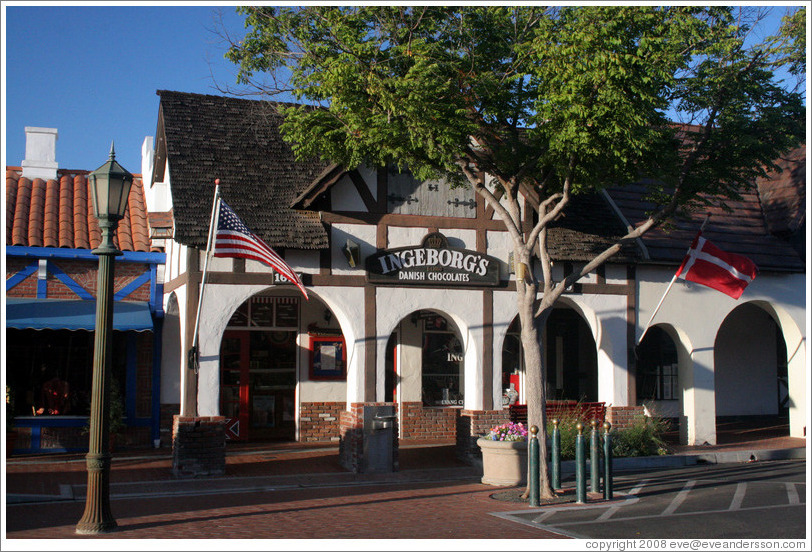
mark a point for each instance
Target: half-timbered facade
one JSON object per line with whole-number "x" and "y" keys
{"x": 412, "y": 299}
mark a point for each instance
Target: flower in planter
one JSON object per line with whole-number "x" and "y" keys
{"x": 508, "y": 432}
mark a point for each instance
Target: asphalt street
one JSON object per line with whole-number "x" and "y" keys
{"x": 760, "y": 500}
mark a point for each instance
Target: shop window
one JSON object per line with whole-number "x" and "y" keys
{"x": 657, "y": 374}
{"x": 511, "y": 366}
{"x": 443, "y": 381}
{"x": 50, "y": 372}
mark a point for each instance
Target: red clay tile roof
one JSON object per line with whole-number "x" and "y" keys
{"x": 58, "y": 213}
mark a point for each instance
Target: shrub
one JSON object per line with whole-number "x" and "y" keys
{"x": 567, "y": 420}
{"x": 643, "y": 438}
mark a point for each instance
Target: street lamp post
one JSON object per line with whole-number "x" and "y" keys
{"x": 110, "y": 187}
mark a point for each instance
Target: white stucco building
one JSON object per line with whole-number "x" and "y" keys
{"x": 412, "y": 302}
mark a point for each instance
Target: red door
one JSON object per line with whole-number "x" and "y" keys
{"x": 258, "y": 384}
{"x": 234, "y": 358}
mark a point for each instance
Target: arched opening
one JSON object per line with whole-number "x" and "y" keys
{"x": 425, "y": 374}
{"x": 571, "y": 357}
{"x": 750, "y": 374}
{"x": 513, "y": 366}
{"x": 657, "y": 381}
{"x": 272, "y": 343}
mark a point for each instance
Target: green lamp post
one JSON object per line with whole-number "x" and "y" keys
{"x": 110, "y": 188}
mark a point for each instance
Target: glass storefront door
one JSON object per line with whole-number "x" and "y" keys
{"x": 258, "y": 370}
{"x": 258, "y": 384}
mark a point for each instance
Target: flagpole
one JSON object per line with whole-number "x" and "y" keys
{"x": 193, "y": 352}
{"x": 670, "y": 284}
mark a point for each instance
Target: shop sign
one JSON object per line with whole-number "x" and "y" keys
{"x": 433, "y": 262}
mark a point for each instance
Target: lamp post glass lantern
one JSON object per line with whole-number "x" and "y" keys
{"x": 109, "y": 188}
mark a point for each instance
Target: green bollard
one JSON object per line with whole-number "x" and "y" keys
{"x": 594, "y": 458}
{"x": 607, "y": 461}
{"x": 556, "y": 457}
{"x": 533, "y": 475}
{"x": 580, "y": 465}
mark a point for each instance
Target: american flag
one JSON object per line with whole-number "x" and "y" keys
{"x": 234, "y": 239}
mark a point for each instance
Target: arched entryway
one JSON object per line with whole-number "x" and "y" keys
{"x": 425, "y": 374}
{"x": 272, "y": 343}
{"x": 657, "y": 381}
{"x": 572, "y": 357}
{"x": 570, "y": 353}
{"x": 750, "y": 372}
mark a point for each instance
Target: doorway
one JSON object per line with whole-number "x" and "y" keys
{"x": 258, "y": 365}
{"x": 258, "y": 384}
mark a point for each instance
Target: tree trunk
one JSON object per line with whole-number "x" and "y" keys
{"x": 535, "y": 383}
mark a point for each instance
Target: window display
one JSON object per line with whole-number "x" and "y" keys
{"x": 442, "y": 364}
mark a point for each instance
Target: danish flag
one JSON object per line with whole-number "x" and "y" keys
{"x": 708, "y": 265}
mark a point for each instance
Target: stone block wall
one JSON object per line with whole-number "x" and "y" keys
{"x": 198, "y": 446}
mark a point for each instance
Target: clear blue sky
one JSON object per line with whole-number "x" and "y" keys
{"x": 92, "y": 72}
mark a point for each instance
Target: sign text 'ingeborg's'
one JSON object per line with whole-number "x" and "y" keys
{"x": 433, "y": 263}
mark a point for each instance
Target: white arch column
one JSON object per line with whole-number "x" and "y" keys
{"x": 698, "y": 422}
{"x": 219, "y": 303}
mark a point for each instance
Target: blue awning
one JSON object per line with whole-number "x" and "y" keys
{"x": 56, "y": 314}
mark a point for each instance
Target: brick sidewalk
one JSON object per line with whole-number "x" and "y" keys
{"x": 458, "y": 510}
{"x": 282, "y": 492}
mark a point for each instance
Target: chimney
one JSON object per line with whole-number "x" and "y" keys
{"x": 40, "y": 153}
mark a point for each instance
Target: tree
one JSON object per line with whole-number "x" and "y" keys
{"x": 530, "y": 106}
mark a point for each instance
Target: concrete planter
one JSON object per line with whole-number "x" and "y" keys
{"x": 504, "y": 463}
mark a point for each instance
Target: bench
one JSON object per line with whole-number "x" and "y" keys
{"x": 585, "y": 411}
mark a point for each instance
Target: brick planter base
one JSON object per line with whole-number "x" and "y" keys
{"x": 623, "y": 417}
{"x": 198, "y": 446}
{"x": 473, "y": 424}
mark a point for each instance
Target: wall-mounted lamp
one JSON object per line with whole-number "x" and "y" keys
{"x": 327, "y": 316}
{"x": 516, "y": 268}
{"x": 352, "y": 252}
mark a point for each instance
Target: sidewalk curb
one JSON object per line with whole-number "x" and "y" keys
{"x": 683, "y": 460}
{"x": 260, "y": 483}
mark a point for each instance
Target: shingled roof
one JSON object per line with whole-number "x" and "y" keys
{"x": 749, "y": 226}
{"x": 588, "y": 227}
{"x": 59, "y": 213}
{"x": 783, "y": 194}
{"x": 236, "y": 140}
